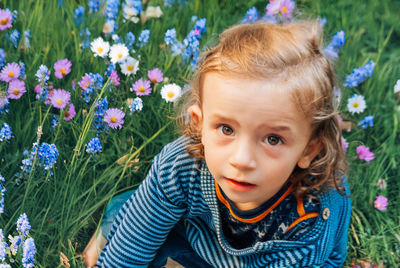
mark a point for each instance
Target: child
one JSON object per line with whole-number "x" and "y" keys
{"x": 257, "y": 180}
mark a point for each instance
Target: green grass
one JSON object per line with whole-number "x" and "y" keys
{"x": 64, "y": 209}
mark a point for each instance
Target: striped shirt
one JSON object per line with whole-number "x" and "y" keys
{"x": 179, "y": 187}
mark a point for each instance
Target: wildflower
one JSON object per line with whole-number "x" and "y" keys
{"x": 5, "y": 132}
{"x": 114, "y": 118}
{"x": 27, "y": 37}
{"x": 109, "y": 27}
{"x": 153, "y": 12}
{"x": 129, "y": 39}
{"x": 78, "y": 12}
{"x": 54, "y": 122}
{"x": 70, "y": 113}
{"x": 114, "y": 78}
{"x": 85, "y": 35}
{"x": 285, "y": 7}
{"x": 5, "y": 19}
{"x": 62, "y": 68}
{"x": 101, "y": 107}
{"x": 273, "y": 8}
{"x": 94, "y": 6}
{"x": 381, "y": 203}
{"x": 2, "y": 191}
{"x": 111, "y": 9}
{"x": 3, "y": 104}
{"x": 136, "y": 105}
{"x": 14, "y": 37}
{"x": 130, "y": 13}
{"x": 251, "y": 15}
{"x": 93, "y": 146}
{"x": 111, "y": 68}
{"x": 118, "y": 53}
{"x": 144, "y": 37}
{"x": 60, "y": 98}
{"x": 141, "y": 87}
{"x": 100, "y": 47}
{"x": 382, "y": 184}
{"x": 345, "y": 144}
{"x": 129, "y": 66}
{"x": 28, "y": 253}
{"x": 22, "y": 72}
{"x": 356, "y": 104}
{"x": 397, "y": 87}
{"x": 89, "y": 84}
{"x": 16, "y": 88}
{"x": 171, "y": 92}
{"x": 337, "y": 42}
{"x": 155, "y": 75}
{"x": 364, "y": 153}
{"x": 43, "y": 74}
{"x": 48, "y": 154}
{"x": 10, "y": 72}
{"x": 23, "y": 225}
{"x": 14, "y": 243}
{"x": 170, "y": 36}
{"x": 3, "y": 247}
{"x": 367, "y": 121}
{"x": 360, "y": 74}
{"x": 2, "y": 57}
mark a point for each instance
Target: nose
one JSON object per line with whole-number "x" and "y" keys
{"x": 242, "y": 156}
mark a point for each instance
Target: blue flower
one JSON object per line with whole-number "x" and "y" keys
{"x": 94, "y": 6}
{"x": 111, "y": 9}
{"x": 3, "y": 247}
{"x": 43, "y": 74}
{"x": 23, "y": 225}
{"x": 367, "y": 121}
{"x": 85, "y": 34}
{"x": 136, "y": 105}
{"x": 5, "y": 132}
{"x": 22, "y": 73}
{"x": 170, "y": 36}
{"x": 251, "y": 15}
{"x": 144, "y": 37}
{"x": 137, "y": 4}
{"x": 110, "y": 68}
{"x": 48, "y": 154}
{"x": 101, "y": 108}
{"x": 2, "y": 57}
{"x": 54, "y": 122}
{"x": 129, "y": 39}
{"x": 78, "y": 12}
{"x": 93, "y": 146}
{"x": 14, "y": 38}
{"x": 360, "y": 74}
{"x": 4, "y": 105}
{"x": 337, "y": 42}
{"x": 28, "y": 253}
{"x": 2, "y": 191}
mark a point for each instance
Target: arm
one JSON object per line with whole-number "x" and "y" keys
{"x": 143, "y": 224}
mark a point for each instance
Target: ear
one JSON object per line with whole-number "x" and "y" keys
{"x": 310, "y": 152}
{"x": 196, "y": 116}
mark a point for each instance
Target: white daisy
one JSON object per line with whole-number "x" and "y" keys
{"x": 100, "y": 47}
{"x": 171, "y": 92}
{"x": 129, "y": 66}
{"x": 109, "y": 27}
{"x": 356, "y": 104}
{"x": 118, "y": 53}
{"x": 397, "y": 87}
{"x": 153, "y": 12}
{"x": 130, "y": 13}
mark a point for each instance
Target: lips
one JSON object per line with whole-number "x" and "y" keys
{"x": 240, "y": 186}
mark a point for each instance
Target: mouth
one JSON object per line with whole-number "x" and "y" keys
{"x": 240, "y": 186}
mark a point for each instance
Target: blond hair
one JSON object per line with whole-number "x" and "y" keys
{"x": 290, "y": 53}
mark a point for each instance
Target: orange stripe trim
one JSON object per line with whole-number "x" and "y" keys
{"x": 300, "y": 207}
{"x": 305, "y": 217}
{"x": 257, "y": 218}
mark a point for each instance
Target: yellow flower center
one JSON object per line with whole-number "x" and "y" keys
{"x": 113, "y": 119}
{"x": 16, "y": 91}
{"x": 59, "y": 101}
{"x": 129, "y": 68}
{"x": 284, "y": 9}
{"x": 106, "y": 28}
{"x": 62, "y": 71}
{"x": 66, "y": 113}
{"x": 119, "y": 55}
{"x": 4, "y": 21}
{"x": 11, "y": 74}
{"x": 142, "y": 89}
{"x": 355, "y": 105}
{"x": 86, "y": 85}
{"x": 154, "y": 80}
{"x": 171, "y": 94}
{"x": 100, "y": 49}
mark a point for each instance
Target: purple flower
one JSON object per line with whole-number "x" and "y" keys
{"x": 284, "y": 6}
{"x": 364, "y": 153}
{"x": 70, "y": 113}
{"x": 16, "y": 88}
{"x": 381, "y": 203}
{"x": 60, "y": 98}
{"x": 345, "y": 144}
{"x": 287, "y": 8}
{"x": 85, "y": 82}
{"x": 155, "y": 75}
{"x": 114, "y": 118}
{"x": 10, "y": 72}
{"x": 141, "y": 87}
{"x": 114, "y": 78}
{"x": 273, "y": 7}
{"x": 5, "y": 19}
{"x": 62, "y": 68}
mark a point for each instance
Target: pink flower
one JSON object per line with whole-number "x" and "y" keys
{"x": 364, "y": 153}
{"x": 10, "y": 72}
{"x": 16, "y": 89}
{"x": 287, "y": 8}
{"x": 380, "y": 203}
{"x": 85, "y": 82}
{"x": 114, "y": 118}
{"x": 38, "y": 89}
{"x": 70, "y": 113}
{"x": 114, "y": 78}
{"x": 62, "y": 68}
{"x": 273, "y": 7}
{"x": 141, "y": 87}
{"x": 5, "y": 19}
{"x": 155, "y": 75}
{"x": 345, "y": 144}
{"x": 59, "y": 98}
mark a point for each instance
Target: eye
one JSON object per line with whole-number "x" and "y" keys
{"x": 225, "y": 130}
{"x": 273, "y": 140}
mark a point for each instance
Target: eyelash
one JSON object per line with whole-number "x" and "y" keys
{"x": 224, "y": 128}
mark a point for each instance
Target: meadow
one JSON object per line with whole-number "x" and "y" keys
{"x": 81, "y": 116}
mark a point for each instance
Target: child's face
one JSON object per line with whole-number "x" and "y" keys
{"x": 253, "y": 137}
